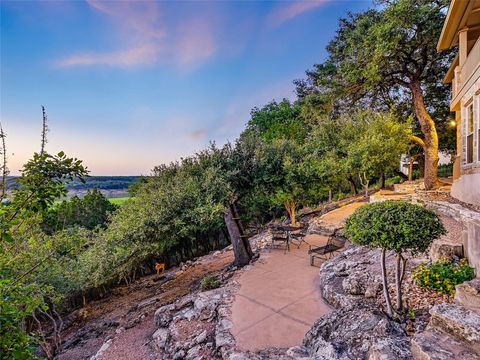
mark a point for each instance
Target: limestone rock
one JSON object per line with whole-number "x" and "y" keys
{"x": 444, "y": 249}
{"x": 458, "y": 321}
{"x": 357, "y": 332}
{"x": 433, "y": 344}
{"x": 160, "y": 338}
{"x": 164, "y": 315}
{"x": 468, "y": 294}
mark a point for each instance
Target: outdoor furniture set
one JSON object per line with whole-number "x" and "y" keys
{"x": 286, "y": 234}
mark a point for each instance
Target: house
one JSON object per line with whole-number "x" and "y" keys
{"x": 462, "y": 30}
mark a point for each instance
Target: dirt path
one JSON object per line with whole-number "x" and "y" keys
{"x": 126, "y": 315}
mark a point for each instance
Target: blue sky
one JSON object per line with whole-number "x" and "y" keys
{"x": 130, "y": 85}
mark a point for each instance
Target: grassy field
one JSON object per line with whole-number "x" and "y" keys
{"x": 118, "y": 201}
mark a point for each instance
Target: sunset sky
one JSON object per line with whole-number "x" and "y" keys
{"x": 130, "y": 85}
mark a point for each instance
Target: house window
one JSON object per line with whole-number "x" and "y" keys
{"x": 469, "y": 133}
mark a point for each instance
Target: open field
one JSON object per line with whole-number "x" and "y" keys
{"x": 118, "y": 201}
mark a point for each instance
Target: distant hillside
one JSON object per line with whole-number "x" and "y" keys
{"x": 110, "y": 186}
{"x": 104, "y": 183}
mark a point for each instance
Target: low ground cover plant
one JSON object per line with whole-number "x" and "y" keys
{"x": 210, "y": 282}
{"x": 443, "y": 275}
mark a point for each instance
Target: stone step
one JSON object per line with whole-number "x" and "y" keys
{"x": 461, "y": 323}
{"x": 433, "y": 344}
{"x": 468, "y": 294}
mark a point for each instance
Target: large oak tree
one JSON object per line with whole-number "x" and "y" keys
{"x": 387, "y": 58}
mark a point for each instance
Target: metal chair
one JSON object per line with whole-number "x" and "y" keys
{"x": 299, "y": 235}
{"x": 279, "y": 235}
{"x": 334, "y": 244}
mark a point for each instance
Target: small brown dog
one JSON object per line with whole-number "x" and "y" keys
{"x": 159, "y": 267}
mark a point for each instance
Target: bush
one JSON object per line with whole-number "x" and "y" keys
{"x": 394, "y": 225}
{"x": 398, "y": 226}
{"x": 393, "y": 180}
{"x": 210, "y": 282}
{"x": 443, "y": 275}
{"x": 339, "y": 196}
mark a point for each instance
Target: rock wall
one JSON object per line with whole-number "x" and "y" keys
{"x": 471, "y": 223}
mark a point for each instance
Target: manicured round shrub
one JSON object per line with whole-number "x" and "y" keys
{"x": 398, "y": 226}
{"x": 394, "y": 225}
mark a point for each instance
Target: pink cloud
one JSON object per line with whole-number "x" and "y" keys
{"x": 145, "y": 54}
{"x": 198, "y": 134}
{"x": 196, "y": 42}
{"x": 285, "y": 13}
{"x": 140, "y": 26}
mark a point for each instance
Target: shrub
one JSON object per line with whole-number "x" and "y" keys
{"x": 398, "y": 226}
{"x": 210, "y": 282}
{"x": 443, "y": 275}
{"x": 393, "y": 180}
{"x": 339, "y": 196}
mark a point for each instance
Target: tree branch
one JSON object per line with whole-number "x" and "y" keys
{"x": 417, "y": 140}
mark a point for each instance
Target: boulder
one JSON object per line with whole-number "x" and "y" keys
{"x": 164, "y": 315}
{"x": 160, "y": 338}
{"x": 433, "y": 344}
{"x": 352, "y": 276}
{"x": 458, "y": 321}
{"x": 357, "y": 332}
{"x": 445, "y": 249}
{"x": 468, "y": 294}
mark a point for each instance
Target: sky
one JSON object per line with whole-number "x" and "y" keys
{"x": 130, "y": 85}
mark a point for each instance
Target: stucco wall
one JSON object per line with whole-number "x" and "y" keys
{"x": 467, "y": 188}
{"x": 471, "y": 244}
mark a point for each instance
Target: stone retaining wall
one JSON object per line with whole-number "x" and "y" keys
{"x": 471, "y": 224}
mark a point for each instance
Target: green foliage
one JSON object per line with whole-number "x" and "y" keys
{"x": 16, "y": 303}
{"x": 445, "y": 170}
{"x": 442, "y": 276}
{"x": 278, "y": 121}
{"x": 43, "y": 180}
{"x": 176, "y": 214}
{"x": 90, "y": 211}
{"x": 26, "y": 255}
{"x": 339, "y": 196}
{"x": 394, "y": 180}
{"x": 376, "y": 143}
{"x": 210, "y": 282}
{"x": 374, "y": 58}
{"x": 394, "y": 225}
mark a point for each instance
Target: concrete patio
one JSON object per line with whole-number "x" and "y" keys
{"x": 279, "y": 299}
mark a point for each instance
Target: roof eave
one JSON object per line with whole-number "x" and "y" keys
{"x": 451, "y": 25}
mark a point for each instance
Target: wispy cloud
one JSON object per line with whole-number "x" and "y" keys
{"x": 198, "y": 134}
{"x": 148, "y": 39}
{"x": 283, "y": 13}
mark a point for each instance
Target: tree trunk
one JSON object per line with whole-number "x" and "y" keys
{"x": 241, "y": 246}
{"x": 427, "y": 125}
{"x": 291, "y": 206}
{"x": 398, "y": 282}
{"x": 385, "y": 285}
{"x": 421, "y": 165}
{"x": 383, "y": 180}
{"x": 364, "y": 182}
{"x": 354, "y": 186}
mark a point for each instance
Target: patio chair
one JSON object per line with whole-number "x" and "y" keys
{"x": 299, "y": 236}
{"x": 280, "y": 236}
{"x": 334, "y": 244}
